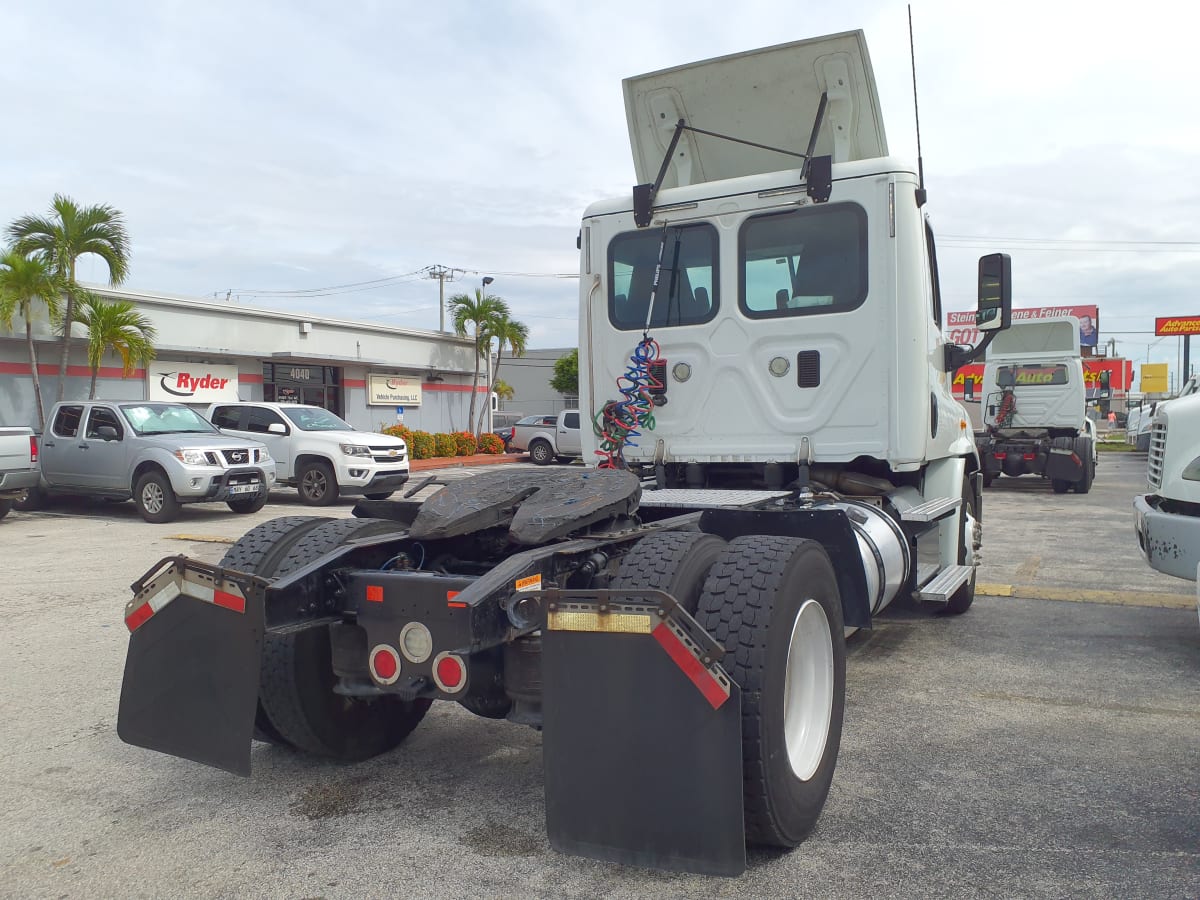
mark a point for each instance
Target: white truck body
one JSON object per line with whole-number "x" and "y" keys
{"x": 1168, "y": 516}
{"x": 18, "y": 465}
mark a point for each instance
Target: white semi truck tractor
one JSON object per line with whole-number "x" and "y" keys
{"x": 1035, "y": 407}
{"x": 776, "y": 457}
{"x": 1168, "y": 517}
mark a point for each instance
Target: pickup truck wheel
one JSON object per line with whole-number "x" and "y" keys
{"x": 34, "y": 498}
{"x": 773, "y": 603}
{"x": 541, "y": 452}
{"x": 248, "y": 504}
{"x": 296, "y": 686}
{"x": 382, "y": 496}
{"x": 564, "y": 459}
{"x": 317, "y": 485}
{"x": 1059, "y": 485}
{"x": 155, "y": 499}
{"x": 5, "y": 507}
{"x": 962, "y": 599}
{"x": 673, "y": 561}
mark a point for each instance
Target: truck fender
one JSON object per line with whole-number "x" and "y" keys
{"x": 827, "y": 526}
{"x": 143, "y": 463}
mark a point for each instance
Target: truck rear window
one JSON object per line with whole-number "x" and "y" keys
{"x": 1027, "y": 376}
{"x": 687, "y": 286}
{"x": 803, "y": 262}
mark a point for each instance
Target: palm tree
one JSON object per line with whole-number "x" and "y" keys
{"x": 115, "y": 325}
{"x": 508, "y": 332}
{"x": 23, "y": 283}
{"x": 503, "y": 390}
{"x": 68, "y": 233}
{"x": 478, "y": 311}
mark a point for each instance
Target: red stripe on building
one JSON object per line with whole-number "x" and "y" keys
{"x": 456, "y": 388}
{"x": 249, "y": 379}
{"x": 138, "y": 617}
{"x": 229, "y": 601}
{"x": 50, "y": 370}
{"x": 692, "y": 668}
{"x": 354, "y": 382}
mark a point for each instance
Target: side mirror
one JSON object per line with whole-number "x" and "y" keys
{"x": 994, "y": 312}
{"x": 969, "y": 389}
{"x": 1105, "y": 384}
{"x": 107, "y": 433}
{"x": 276, "y": 428}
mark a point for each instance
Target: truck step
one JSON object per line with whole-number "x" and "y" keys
{"x": 931, "y": 510}
{"x": 704, "y": 498}
{"x": 942, "y": 588}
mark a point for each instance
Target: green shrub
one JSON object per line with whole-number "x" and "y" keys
{"x": 421, "y": 445}
{"x": 490, "y": 443}
{"x": 444, "y": 445}
{"x": 464, "y": 443}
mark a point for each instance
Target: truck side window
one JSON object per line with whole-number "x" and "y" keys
{"x": 688, "y": 284}
{"x": 66, "y": 423}
{"x": 102, "y": 416}
{"x": 803, "y": 262}
{"x": 258, "y": 419}
{"x": 933, "y": 276}
{"x": 226, "y": 416}
{"x": 571, "y": 420}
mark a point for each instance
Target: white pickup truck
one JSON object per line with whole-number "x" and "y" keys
{"x": 18, "y": 465}
{"x": 548, "y": 438}
{"x": 316, "y": 452}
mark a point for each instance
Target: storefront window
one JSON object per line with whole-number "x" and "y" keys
{"x": 303, "y": 383}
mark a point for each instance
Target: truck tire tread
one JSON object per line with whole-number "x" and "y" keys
{"x": 677, "y": 562}
{"x": 746, "y": 600}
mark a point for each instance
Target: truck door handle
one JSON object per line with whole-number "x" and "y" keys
{"x": 47, "y": 443}
{"x": 83, "y": 446}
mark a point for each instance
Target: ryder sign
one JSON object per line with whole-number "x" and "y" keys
{"x": 191, "y": 382}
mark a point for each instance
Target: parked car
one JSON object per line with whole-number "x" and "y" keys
{"x": 549, "y": 438}
{"x": 316, "y": 452}
{"x": 18, "y": 465}
{"x": 159, "y": 454}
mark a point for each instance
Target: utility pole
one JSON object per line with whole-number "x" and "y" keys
{"x": 442, "y": 274}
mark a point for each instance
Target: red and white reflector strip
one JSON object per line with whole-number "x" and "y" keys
{"x": 175, "y": 582}
{"x": 714, "y": 685}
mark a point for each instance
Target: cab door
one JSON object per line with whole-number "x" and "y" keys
{"x": 59, "y": 453}
{"x": 105, "y": 451}
{"x": 567, "y": 439}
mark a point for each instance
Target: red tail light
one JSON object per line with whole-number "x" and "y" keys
{"x": 1029, "y": 456}
{"x": 33, "y": 451}
{"x": 1000, "y": 455}
{"x": 449, "y": 672}
{"x": 385, "y": 664}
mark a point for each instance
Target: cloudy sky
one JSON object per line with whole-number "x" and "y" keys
{"x": 274, "y": 150}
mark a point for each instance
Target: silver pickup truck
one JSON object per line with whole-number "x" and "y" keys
{"x": 548, "y": 438}
{"x": 18, "y": 465}
{"x": 158, "y": 454}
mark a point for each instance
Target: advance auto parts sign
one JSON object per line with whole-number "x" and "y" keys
{"x": 1177, "y": 325}
{"x": 393, "y": 390}
{"x": 190, "y": 382}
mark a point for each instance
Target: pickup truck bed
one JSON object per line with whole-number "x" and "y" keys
{"x": 18, "y": 465}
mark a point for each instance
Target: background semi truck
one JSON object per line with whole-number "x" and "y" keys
{"x": 1035, "y": 407}
{"x": 673, "y": 615}
{"x": 1168, "y": 517}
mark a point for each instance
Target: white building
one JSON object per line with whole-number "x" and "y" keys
{"x": 371, "y": 375}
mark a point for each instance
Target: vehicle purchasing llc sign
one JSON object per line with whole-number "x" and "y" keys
{"x": 191, "y": 382}
{"x": 393, "y": 390}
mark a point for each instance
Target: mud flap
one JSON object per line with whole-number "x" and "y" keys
{"x": 191, "y": 673}
{"x": 642, "y": 740}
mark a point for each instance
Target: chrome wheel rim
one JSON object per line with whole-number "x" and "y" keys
{"x": 808, "y": 690}
{"x": 152, "y": 497}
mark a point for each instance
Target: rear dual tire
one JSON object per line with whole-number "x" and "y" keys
{"x": 297, "y": 706}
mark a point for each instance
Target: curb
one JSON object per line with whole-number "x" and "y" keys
{"x": 1079, "y": 595}
{"x": 461, "y": 462}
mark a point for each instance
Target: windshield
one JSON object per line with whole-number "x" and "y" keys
{"x": 313, "y": 418}
{"x": 165, "y": 418}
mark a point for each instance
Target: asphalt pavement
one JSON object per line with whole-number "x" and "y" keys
{"x": 1032, "y": 747}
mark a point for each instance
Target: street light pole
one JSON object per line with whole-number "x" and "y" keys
{"x": 487, "y": 279}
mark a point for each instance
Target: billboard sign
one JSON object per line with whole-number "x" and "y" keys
{"x": 393, "y": 390}
{"x": 190, "y": 382}
{"x": 1120, "y": 377}
{"x": 1172, "y": 325}
{"x": 1154, "y": 378}
{"x": 960, "y": 326}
